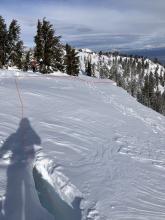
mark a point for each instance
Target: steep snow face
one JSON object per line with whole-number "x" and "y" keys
{"x": 98, "y": 151}
{"x": 103, "y": 65}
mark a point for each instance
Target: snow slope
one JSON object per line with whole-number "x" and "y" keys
{"x": 106, "y": 62}
{"x": 97, "y": 153}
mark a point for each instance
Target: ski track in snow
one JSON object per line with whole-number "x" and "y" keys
{"x": 98, "y": 144}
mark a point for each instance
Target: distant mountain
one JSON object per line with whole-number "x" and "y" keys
{"x": 152, "y": 53}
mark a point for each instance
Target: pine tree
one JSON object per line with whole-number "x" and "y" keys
{"x": 145, "y": 91}
{"x": 3, "y": 42}
{"x": 58, "y": 63}
{"x": 14, "y": 45}
{"x": 76, "y": 62}
{"x": 157, "y": 78}
{"x": 100, "y": 53}
{"x": 71, "y": 61}
{"x": 18, "y": 54}
{"x": 89, "y": 68}
{"x": 48, "y": 48}
{"x": 161, "y": 78}
{"x": 113, "y": 73}
{"x": 148, "y": 93}
{"x": 68, "y": 59}
{"x": 104, "y": 71}
{"x": 38, "y": 53}
{"x": 139, "y": 68}
{"x": 26, "y": 62}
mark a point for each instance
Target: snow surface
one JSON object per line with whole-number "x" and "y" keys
{"x": 94, "y": 144}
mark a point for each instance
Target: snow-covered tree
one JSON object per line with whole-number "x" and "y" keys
{"x": 14, "y": 45}
{"x": 71, "y": 61}
{"x": 88, "y": 69}
{"x": 26, "y": 61}
{"x": 48, "y": 49}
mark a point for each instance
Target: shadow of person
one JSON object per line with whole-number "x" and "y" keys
{"x": 21, "y": 200}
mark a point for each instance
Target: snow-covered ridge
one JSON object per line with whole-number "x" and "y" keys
{"x": 98, "y": 61}
{"x": 93, "y": 142}
{"x": 139, "y": 76}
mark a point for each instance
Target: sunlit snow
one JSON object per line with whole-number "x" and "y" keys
{"x": 100, "y": 153}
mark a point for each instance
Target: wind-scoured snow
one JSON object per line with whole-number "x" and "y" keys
{"x": 100, "y": 153}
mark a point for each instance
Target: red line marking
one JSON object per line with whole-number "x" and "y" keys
{"x": 19, "y": 96}
{"x": 67, "y": 77}
{"x": 52, "y": 76}
{"x": 61, "y": 77}
{"x": 22, "y": 110}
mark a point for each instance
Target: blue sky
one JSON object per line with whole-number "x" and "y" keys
{"x": 95, "y": 24}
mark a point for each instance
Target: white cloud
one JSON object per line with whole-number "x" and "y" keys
{"x": 109, "y": 22}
